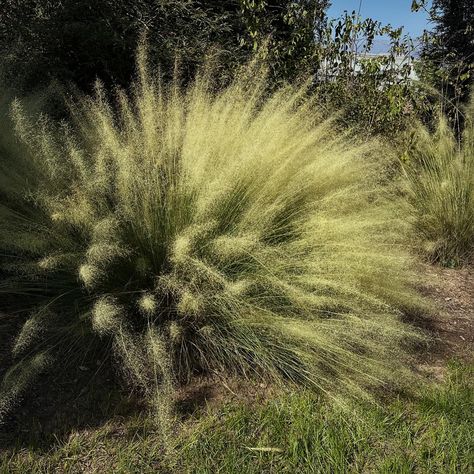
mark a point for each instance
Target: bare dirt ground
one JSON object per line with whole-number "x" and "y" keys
{"x": 452, "y": 324}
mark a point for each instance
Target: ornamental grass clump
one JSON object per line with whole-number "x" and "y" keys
{"x": 440, "y": 185}
{"x": 205, "y": 231}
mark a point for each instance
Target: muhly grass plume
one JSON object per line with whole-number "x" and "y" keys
{"x": 224, "y": 232}
{"x": 440, "y": 185}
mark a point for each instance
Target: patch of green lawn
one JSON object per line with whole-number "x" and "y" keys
{"x": 292, "y": 433}
{"x": 432, "y": 434}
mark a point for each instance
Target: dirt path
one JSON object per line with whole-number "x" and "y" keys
{"x": 452, "y": 325}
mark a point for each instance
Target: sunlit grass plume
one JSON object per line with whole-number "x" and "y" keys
{"x": 440, "y": 183}
{"x": 227, "y": 232}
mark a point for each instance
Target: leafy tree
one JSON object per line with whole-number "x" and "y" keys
{"x": 375, "y": 92}
{"x": 292, "y": 31}
{"x": 448, "y": 51}
{"x": 79, "y": 40}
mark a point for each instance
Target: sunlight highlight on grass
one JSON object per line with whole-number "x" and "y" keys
{"x": 440, "y": 182}
{"x": 206, "y": 231}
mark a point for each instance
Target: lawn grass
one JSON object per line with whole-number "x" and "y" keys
{"x": 286, "y": 433}
{"x": 430, "y": 434}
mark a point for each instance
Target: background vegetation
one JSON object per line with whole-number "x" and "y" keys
{"x": 42, "y": 41}
{"x": 448, "y": 53}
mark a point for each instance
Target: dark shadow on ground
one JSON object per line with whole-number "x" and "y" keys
{"x": 66, "y": 400}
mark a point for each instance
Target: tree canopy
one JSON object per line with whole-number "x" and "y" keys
{"x": 81, "y": 40}
{"x": 448, "y": 50}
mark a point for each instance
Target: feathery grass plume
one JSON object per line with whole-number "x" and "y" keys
{"x": 440, "y": 183}
{"x": 18, "y": 379}
{"x": 233, "y": 227}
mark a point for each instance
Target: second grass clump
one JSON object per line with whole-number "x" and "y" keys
{"x": 204, "y": 231}
{"x": 440, "y": 185}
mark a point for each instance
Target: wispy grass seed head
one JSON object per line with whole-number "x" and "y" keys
{"x": 248, "y": 236}
{"x": 440, "y": 188}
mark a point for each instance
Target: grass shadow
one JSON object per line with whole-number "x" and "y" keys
{"x": 67, "y": 400}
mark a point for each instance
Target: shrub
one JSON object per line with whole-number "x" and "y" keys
{"x": 76, "y": 41}
{"x": 447, "y": 52}
{"x": 440, "y": 181}
{"x": 375, "y": 93}
{"x": 204, "y": 231}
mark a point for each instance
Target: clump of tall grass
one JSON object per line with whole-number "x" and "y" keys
{"x": 224, "y": 232}
{"x": 440, "y": 182}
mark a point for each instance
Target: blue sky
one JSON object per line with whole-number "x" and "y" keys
{"x": 395, "y": 12}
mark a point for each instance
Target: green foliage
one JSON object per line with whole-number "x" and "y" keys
{"x": 288, "y": 32}
{"x": 440, "y": 180}
{"x": 448, "y": 52}
{"x": 203, "y": 231}
{"x": 375, "y": 93}
{"x": 80, "y": 41}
